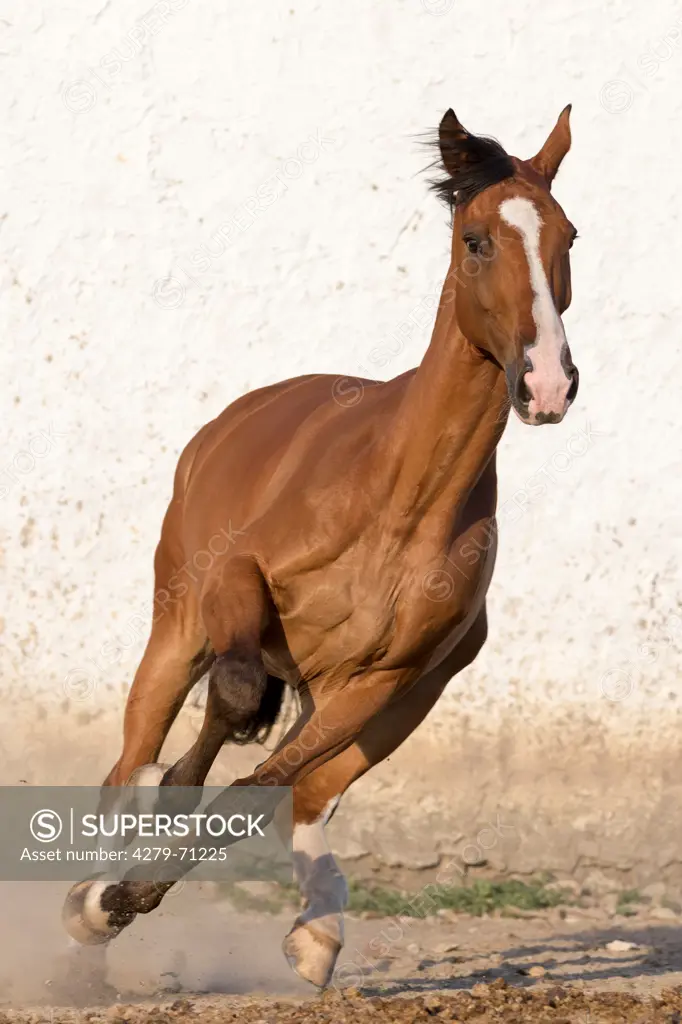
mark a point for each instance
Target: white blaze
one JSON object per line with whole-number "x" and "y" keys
{"x": 547, "y": 381}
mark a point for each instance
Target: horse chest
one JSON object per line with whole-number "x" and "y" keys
{"x": 410, "y": 609}
{"x": 443, "y": 600}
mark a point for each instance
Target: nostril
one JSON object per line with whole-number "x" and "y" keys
{"x": 523, "y": 391}
{"x": 574, "y": 377}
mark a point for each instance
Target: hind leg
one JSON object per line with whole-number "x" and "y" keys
{"x": 235, "y": 611}
{"x": 171, "y": 665}
{"x": 234, "y": 617}
{"x": 235, "y": 698}
{"x": 177, "y": 655}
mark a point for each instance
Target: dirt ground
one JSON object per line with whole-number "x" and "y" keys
{"x": 200, "y": 960}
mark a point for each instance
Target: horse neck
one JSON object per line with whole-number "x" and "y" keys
{"x": 451, "y": 417}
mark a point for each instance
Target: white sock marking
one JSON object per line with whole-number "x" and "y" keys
{"x": 92, "y": 908}
{"x": 319, "y": 878}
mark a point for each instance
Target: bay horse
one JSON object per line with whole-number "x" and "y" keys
{"x": 347, "y": 571}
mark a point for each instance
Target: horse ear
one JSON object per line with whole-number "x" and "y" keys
{"x": 548, "y": 160}
{"x": 451, "y": 135}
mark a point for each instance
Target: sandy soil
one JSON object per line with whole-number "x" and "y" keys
{"x": 199, "y": 960}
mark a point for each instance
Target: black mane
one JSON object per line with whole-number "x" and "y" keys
{"x": 482, "y": 162}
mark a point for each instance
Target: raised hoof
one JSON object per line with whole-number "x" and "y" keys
{"x": 311, "y": 954}
{"x": 84, "y": 918}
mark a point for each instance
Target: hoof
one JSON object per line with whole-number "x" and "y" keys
{"x": 85, "y": 919}
{"x": 311, "y": 954}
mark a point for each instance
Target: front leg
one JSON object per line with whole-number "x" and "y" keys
{"x": 316, "y": 939}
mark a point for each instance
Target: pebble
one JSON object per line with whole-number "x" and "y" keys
{"x": 480, "y": 990}
{"x": 620, "y": 946}
{"x": 446, "y": 947}
{"x": 537, "y": 971}
{"x": 433, "y": 1004}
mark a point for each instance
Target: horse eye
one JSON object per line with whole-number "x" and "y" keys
{"x": 472, "y": 243}
{"x": 573, "y": 238}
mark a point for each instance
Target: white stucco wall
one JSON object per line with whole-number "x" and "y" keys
{"x": 133, "y": 135}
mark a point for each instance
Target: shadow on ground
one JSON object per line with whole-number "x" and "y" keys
{"x": 582, "y": 957}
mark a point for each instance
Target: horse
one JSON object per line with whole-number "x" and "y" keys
{"x": 364, "y": 542}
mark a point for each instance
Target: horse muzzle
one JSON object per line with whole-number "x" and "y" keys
{"x": 543, "y": 394}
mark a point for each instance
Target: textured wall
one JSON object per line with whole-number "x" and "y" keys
{"x": 199, "y": 198}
